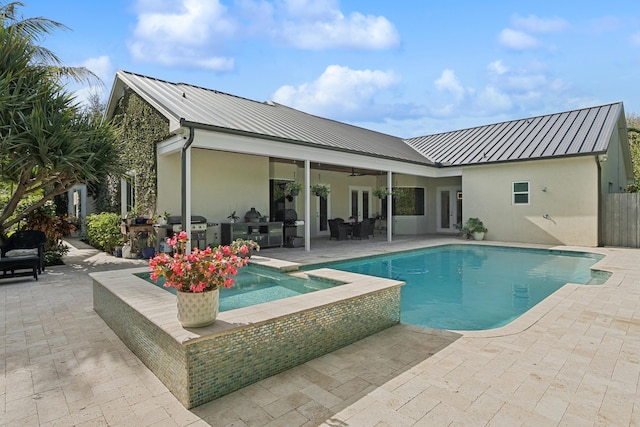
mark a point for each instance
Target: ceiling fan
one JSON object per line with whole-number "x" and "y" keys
{"x": 353, "y": 173}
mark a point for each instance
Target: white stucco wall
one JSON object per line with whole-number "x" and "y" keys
{"x": 616, "y": 171}
{"x": 225, "y": 182}
{"x": 570, "y": 201}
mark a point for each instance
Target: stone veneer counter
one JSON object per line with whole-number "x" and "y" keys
{"x": 244, "y": 345}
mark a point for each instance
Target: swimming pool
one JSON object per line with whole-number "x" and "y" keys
{"x": 475, "y": 287}
{"x": 256, "y": 285}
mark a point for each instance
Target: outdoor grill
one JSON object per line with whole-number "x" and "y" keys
{"x": 290, "y": 223}
{"x": 198, "y": 229}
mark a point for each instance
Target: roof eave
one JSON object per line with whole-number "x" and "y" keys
{"x": 186, "y": 123}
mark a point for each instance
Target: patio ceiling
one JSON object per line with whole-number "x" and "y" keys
{"x": 316, "y": 166}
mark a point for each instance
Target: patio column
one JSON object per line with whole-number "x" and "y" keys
{"x": 389, "y": 207}
{"x": 307, "y": 206}
{"x": 186, "y": 187}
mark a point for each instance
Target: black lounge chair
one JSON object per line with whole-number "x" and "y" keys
{"x": 23, "y": 254}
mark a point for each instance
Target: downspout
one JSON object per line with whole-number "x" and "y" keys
{"x": 186, "y": 222}
{"x": 599, "y": 194}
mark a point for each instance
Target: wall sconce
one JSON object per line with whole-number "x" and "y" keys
{"x": 602, "y": 158}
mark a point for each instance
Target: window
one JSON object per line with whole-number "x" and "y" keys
{"x": 408, "y": 201}
{"x": 521, "y": 193}
{"x": 127, "y": 193}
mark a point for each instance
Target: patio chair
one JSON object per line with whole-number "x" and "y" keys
{"x": 363, "y": 229}
{"x": 338, "y": 229}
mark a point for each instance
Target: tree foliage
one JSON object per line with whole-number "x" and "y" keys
{"x": 35, "y": 30}
{"x": 633, "y": 132}
{"x": 47, "y": 143}
{"x": 141, "y": 127}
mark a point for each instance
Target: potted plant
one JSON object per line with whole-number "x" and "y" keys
{"x": 233, "y": 217}
{"x": 146, "y": 244}
{"x": 163, "y": 218}
{"x": 321, "y": 190}
{"x": 382, "y": 192}
{"x": 197, "y": 277}
{"x": 474, "y": 228}
{"x": 237, "y": 247}
{"x": 293, "y": 188}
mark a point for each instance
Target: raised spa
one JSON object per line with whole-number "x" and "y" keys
{"x": 246, "y": 344}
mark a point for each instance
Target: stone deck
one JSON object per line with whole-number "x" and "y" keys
{"x": 574, "y": 360}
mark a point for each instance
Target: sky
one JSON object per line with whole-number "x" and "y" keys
{"x": 406, "y": 68}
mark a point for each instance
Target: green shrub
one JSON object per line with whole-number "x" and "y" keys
{"x": 53, "y": 256}
{"x": 55, "y": 227}
{"x": 103, "y": 231}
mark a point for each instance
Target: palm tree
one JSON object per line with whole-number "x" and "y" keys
{"x": 47, "y": 144}
{"x": 34, "y": 30}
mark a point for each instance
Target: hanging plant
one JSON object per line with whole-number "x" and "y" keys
{"x": 321, "y": 190}
{"x": 382, "y": 192}
{"x": 293, "y": 188}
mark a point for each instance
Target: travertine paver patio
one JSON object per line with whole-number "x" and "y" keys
{"x": 573, "y": 360}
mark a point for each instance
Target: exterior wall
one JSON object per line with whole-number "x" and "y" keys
{"x": 570, "y": 201}
{"x": 432, "y": 202}
{"x": 614, "y": 169}
{"x": 169, "y": 184}
{"x": 225, "y": 182}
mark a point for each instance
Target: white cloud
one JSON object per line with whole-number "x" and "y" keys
{"x": 497, "y": 67}
{"x": 491, "y": 100}
{"x": 189, "y": 37}
{"x": 533, "y": 24}
{"x": 339, "y": 92}
{"x": 520, "y": 37}
{"x": 100, "y": 66}
{"x": 517, "y": 40}
{"x": 197, "y": 32}
{"x": 356, "y": 31}
{"x": 505, "y": 91}
{"x": 449, "y": 82}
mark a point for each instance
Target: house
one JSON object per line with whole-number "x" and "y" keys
{"x": 534, "y": 180}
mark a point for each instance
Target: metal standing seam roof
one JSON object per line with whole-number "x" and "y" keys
{"x": 571, "y": 133}
{"x": 577, "y": 132}
{"x": 207, "y": 107}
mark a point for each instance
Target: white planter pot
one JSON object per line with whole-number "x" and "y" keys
{"x": 197, "y": 309}
{"x": 478, "y": 235}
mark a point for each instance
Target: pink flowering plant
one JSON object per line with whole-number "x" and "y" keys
{"x": 201, "y": 270}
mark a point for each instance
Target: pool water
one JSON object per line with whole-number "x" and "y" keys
{"x": 255, "y": 285}
{"x": 467, "y": 287}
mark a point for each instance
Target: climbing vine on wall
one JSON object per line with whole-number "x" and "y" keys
{"x": 141, "y": 127}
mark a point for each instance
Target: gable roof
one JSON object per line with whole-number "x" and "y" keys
{"x": 186, "y": 104}
{"x": 572, "y": 133}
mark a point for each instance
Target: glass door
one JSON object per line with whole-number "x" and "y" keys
{"x": 449, "y": 209}
{"x": 360, "y": 202}
{"x": 322, "y": 215}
